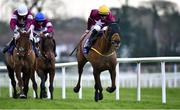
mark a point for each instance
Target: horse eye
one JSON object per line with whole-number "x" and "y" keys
{"x": 115, "y": 42}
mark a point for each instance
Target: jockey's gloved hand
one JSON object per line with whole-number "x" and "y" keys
{"x": 15, "y": 31}
{"x": 46, "y": 35}
{"x": 87, "y": 31}
{"x": 44, "y": 30}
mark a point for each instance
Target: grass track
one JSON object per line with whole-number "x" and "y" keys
{"x": 150, "y": 99}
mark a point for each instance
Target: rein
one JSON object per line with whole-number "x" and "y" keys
{"x": 104, "y": 55}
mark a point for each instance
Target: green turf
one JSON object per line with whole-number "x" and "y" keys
{"x": 150, "y": 98}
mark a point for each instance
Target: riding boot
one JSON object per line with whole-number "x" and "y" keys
{"x": 92, "y": 38}
{"x": 8, "y": 46}
{"x": 54, "y": 49}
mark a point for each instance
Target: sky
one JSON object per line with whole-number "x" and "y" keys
{"x": 79, "y": 8}
{"x": 83, "y": 7}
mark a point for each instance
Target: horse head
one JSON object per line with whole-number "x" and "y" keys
{"x": 47, "y": 47}
{"x": 23, "y": 43}
{"x": 113, "y": 34}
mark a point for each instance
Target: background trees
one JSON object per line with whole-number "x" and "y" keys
{"x": 150, "y": 30}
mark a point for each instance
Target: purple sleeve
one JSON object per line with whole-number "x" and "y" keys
{"x": 50, "y": 29}
{"x": 89, "y": 24}
{"x": 12, "y": 24}
{"x": 13, "y": 21}
{"x": 111, "y": 17}
{"x": 49, "y": 26}
{"x": 29, "y": 20}
{"x": 91, "y": 17}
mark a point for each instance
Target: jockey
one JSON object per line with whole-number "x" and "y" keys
{"x": 97, "y": 21}
{"x": 41, "y": 25}
{"x": 21, "y": 19}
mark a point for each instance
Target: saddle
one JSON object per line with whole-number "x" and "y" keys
{"x": 86, "y": 41}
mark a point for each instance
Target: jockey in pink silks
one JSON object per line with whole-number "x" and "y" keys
{"x": 98, "y": 20}
{"x": 41, "y": 25}
{"x": 20, "y": 19}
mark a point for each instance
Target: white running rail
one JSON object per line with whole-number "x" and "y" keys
{"x": 161, "y": 60}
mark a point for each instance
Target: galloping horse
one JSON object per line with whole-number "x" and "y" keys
{"x": 22, "y": 60}
{"x": 102, "y": 56}
{"x": 46, "y": 64}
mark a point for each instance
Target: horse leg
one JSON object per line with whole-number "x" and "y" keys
{"x": 26, "y": 77}
{"x": 42, "y": 85}
{"x": 80, "y": 70}
{"x": 34, "y": 84}
{"x": 45, "y": 90}
{"x": 100, "y": 87}
{"x": 51, "y": 80}
{"x": 20, "y": 83}
{"x": 13, "y": 81}
{"x": 113, "y": 78}
{"x": 97, "y": 86}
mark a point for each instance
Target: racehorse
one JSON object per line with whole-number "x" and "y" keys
{"x": 22, "y": 60}
{"x": 102, "y": 56}
{"x": 45, "y": 64}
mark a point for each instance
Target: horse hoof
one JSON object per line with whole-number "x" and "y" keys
{"x": 110, "y": 89}
{"x": 100, "y": 96}
{"x": 15, "y": 96}
{"x": 44, "y": 95}
{"x": 96, "y": 98}
{"x": 22, "y": 96}
{"x": 36, "y": 97}
{"x": 76, "y": 89}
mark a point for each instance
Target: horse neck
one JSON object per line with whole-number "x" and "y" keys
{"x": 47, "y": 49}
{"x": 103, "y": 45}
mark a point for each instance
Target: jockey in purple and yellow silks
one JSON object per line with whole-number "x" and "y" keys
{"x": 98, "y": 20}
{"x": 41, "y": 25}
{"x": 20, "y": 19}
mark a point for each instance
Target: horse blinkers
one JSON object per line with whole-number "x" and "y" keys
{"x": 21, "y": 51}
{"x": 115, "y": 40}
{"x": 113, "y": 35}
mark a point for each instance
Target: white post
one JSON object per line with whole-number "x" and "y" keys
{"x": 80, "y": 91}
{"x": 117, "y": 81}
{"x": 63, "y": 83}
{"x": 0, "y": 88}
{"x": 10, "y": 88}
{"x": 175, "y": 73}
{"x": 163, "y": 82}
{"x": 35, "y": 75}
{"x": 138, "y": 82}
{"x": 48, "y": 92}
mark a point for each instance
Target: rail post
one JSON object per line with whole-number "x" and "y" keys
{"x": 117, "y": 81}
{"x": 138, "y": 82}
{"x": 63, "y": 83}
{"x": 163, "y": 82}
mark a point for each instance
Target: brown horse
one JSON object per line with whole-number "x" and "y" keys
{"x": 46, "y": 64}
{"x": 22, "y": 60}
{"x": 102, "y": 56}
